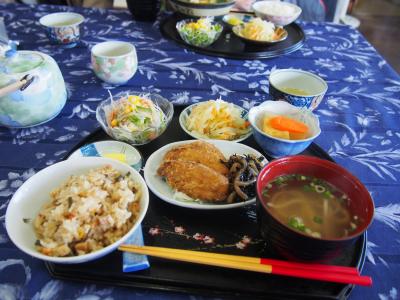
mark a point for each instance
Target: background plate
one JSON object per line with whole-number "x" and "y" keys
{"x": 230, "y": 46}
{"x": 232, "y": 231}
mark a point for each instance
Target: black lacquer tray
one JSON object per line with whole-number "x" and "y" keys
{"x": 223, "y": 231}
{"x": 230, "y": 46}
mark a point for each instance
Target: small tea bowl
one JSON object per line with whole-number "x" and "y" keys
{"x": 114, "y": 62}
{"x": 62, "y": 28}
{"x": 298, "y": 87}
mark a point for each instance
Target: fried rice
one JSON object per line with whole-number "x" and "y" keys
{"x": 87, "y": 212}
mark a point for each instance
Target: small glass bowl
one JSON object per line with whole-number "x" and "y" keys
{"x": 139, "y": 137}
{"x": 199, "y": 38}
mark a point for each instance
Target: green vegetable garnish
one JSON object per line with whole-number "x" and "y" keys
{"x": 297, "y": 223}
{"x": 318, "y": 220}
{"x": 134, "y": 119}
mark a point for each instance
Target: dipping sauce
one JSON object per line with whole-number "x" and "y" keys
{"x": 310, "y": 205}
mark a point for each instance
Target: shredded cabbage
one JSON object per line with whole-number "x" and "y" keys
{"x": 217, "y": 119}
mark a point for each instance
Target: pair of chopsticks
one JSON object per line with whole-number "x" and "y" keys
{"x": 339, "y": 274}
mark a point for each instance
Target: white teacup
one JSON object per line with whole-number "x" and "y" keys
{"x": 114, "y": 62}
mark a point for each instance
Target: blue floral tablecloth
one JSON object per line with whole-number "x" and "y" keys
{"x": 359, "y": 119}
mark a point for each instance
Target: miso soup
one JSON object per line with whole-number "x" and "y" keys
{"x": 310, "y": 205}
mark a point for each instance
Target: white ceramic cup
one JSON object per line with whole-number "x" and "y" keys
{"x": 63, "y": 28}
{"x": 114, "y": 62}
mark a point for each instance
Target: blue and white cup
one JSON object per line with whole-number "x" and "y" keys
{"x": 62, "y": 28}
{"x": 297, "y": 87}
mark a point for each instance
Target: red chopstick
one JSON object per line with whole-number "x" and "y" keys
{"x": 309, "y": 266}
{"x": 338, "y": 274}
{"x": 323, "y": 276}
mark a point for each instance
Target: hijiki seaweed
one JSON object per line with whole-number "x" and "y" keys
{"x": 243, "y": 171}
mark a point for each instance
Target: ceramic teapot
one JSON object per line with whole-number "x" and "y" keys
{"x": 38, "y": 102}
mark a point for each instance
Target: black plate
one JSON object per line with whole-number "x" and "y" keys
{"x": 230, "y": 46}
{"x": 226, "y": 227}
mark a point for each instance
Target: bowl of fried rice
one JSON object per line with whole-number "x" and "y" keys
{"x": 77, "y": 210}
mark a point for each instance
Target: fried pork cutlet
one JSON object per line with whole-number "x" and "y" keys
{"x": 195, "y": 180}
{"x": 200, "y": 152}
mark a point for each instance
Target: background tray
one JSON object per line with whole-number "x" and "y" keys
{"x": 214, "y": 231}
{"x": 230, "y": 46}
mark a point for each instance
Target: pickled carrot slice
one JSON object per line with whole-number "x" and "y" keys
{"x": 287, "y": 124}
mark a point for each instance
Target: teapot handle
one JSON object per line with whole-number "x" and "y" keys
{"x": 22, "y": 84}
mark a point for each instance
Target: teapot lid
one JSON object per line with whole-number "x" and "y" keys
{"x": 21, "y": 62}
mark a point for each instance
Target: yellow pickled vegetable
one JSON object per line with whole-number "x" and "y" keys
{"x": 117, "y": 156}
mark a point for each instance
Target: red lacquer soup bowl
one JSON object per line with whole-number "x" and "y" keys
{"x": 297, "y": 245}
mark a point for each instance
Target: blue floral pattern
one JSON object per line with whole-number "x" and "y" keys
{"x": 359, "y": 120}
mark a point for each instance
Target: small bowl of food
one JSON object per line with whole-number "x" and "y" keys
{"x": 215, "y": 120}
{"x": 277, "y": 12}
{"x": 234, "y": 19}
{"x": 202, "y": 8}
{"x": 200, "y": 33}
{"x": 283, "y": 129}
{"x": 311, "y": 209}
{"x": 67, "y": 212}
{"x": 258, "y": 31}
{"x": 298, "y": 87}
{"x": 135, "y": 118}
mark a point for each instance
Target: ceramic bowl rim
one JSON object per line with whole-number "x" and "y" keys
{"x": 77, "y": 23}
{"x": 132, "y": 50}
{"x": 318, "y": 78}
{"x": 316, "y": 162}
{"x": 255, "y": 127}
{"x": 183, "y": 126}
{"x": 38, "y": 66}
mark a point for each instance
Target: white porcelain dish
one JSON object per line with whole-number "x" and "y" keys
{"x": 29, "y": 198}
{"x": 186, "y": 113}
{"x": 108, "y": 149}
{"x": 162, "y": 190}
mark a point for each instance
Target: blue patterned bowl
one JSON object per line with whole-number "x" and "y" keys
{"x": 298, "y": 87}
{"x": 62, "y": 28}
{"x": 277, "y": 147}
